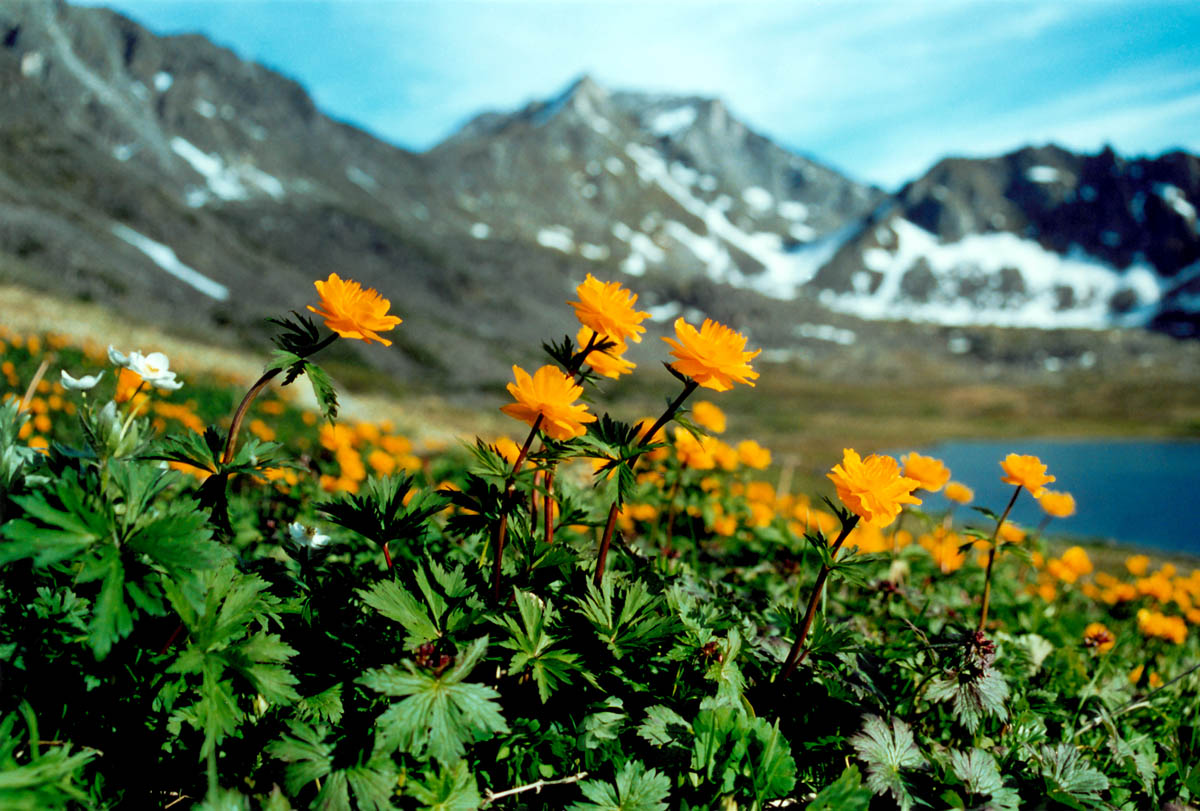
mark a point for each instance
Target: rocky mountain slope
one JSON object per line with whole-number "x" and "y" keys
{"x": 175, "y": 182}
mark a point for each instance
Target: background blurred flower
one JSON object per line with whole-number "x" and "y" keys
{"x": 1025, "y": 471}
{"x": 930, "y": 472}
{"x": 1059, "y": 505}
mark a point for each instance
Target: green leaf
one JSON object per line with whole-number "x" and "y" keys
{"x": 323, "y": 390}
{"x": 978, "y": 771}
{"x": 888, "y": 753}
{"x": 534, "y": 647}
{"x": 665, "y": 727}
{"x": 390, "y": 599}
{"x": 438, "y": 715}
{"x": 450, "y": 788}
{"x": 324, "y": 706}
{"x": 1066, "y": 772}
{"x": 635, "y": 789}
{"x": 974, "y": 695}
{"x": 847, "y": 793}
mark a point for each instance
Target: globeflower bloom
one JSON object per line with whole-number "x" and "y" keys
{"x": 1025, "y": 471}
{"x": 551, "y": 395}
{"x": 607, "y": 309}
{"x": 1058, "y": 505}
{"x": 753, "y": 455}
{"x": 353, "y": 312}
{"x": 930, "y": 472}
{"x": 607, "y": 362}
{"x": 959, "y": 493}
{"x": 709, "y": 415}
{"x": 714, "y": 356}
{"x": 873, "y": 488}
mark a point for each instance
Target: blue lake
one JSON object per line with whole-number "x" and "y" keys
{"x": 1136, "y": 492}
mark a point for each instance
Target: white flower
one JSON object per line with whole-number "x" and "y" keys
{"x": 154, "y": 369}
{"x": 116, "y": 358}
{"x": 82, "y": 384}
{"x": 307, "y": 537}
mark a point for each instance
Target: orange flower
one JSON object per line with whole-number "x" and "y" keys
{"x": 959, "y": 493}
{"x": 873, "y": 488}
{"x": 753, "y": 455}
{"x": 931, "y": 473}
{"x": 1137, "y": 564}
{"x": 551, "y": 394}
{"x": 1077, "y": 560}
{"x": 713, "y": 356}
{"x": 1097, "y": 636}
{"x": 352, "y": 312}
{"x": 1027, "y": 472}
{"x": 607, "y": 308}
{"x": 707, "y": 415}
{"x": 608, "y": 362}
{"x": 1059, "y": 505}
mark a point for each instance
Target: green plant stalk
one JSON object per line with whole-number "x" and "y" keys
{"x": 510, "y": 483}
{"x": 987, "y": 577}
{"x": 795, "y": 657}
{"x": 606, "y": 539}
{"x": 236, "y": 425}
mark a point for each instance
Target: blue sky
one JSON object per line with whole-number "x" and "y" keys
{"x": 880, "y": 90}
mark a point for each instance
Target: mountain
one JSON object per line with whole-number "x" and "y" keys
{"x": 1038, "y": 237}
{"x": 172, "y": 181}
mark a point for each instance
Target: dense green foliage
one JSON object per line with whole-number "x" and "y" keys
{"x": 166, "y": 640}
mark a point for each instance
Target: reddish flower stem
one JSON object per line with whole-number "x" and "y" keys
{"x": 795, "y": 657}
{"x": 510, "y": 484}
{"x": 236, "y": 425}
{"x": 606, "y": 539}
{"x": 548, "y": 506}
{"x": 987, "y": 578}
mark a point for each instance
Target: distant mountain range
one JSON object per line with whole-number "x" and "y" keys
{"x": 169, "y": 178}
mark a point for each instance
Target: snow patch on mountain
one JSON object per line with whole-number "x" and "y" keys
{"x": 998, "y": 279}
{"x": 163, "y": 256}
{"x": 671, "y": 121}
{"x": 1175, "y": 198}
{"x": 224, "y": 182}
{"x": 558, "y": 237}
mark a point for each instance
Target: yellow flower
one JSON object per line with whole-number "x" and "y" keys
{"x": 1137, "y": 564}
{"x": 694, "y": 453}
{"x": 1097, "y": 636}
{"x": 707, "y": 415}
{"x": 607, "y": 308}
{"x": 608, "y": 362}
{"x": 873, "y": 488}
{"x": 959, "y": 493}
{"x": 1027, "y": 472}
{"x": 353, "y": 312}
{"x": 1059, "y": 505}
{"x": 753, "y": 455}
{"x": 1077, "y": 560}
{"x": 550, "y": 394}
{"x": 931, "y": 473}
{"x": 1135, "y": 675}
{"x": 1011, "y": 533}
{"x": 944, "y": 545}
{"x": 714, "y": 356}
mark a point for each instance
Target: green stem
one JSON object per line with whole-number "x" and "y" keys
{"x": 795, "y": 657}
{"x": 648, "y": 437}
{"x": 213, "y": 785}
{"x": 987, "y": 577}
{"x": 244, "y": 406}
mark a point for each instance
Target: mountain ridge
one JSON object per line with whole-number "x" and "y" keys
{"x": 133, "y": 163}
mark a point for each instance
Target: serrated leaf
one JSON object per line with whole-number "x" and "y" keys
{"x": 324, "y": 706}
{"x": 973, "y": 695}
{"x": 665, "y": 727}
{"x": 323, "y": 390}
{"x": 634, "y": 789}
{"x": 390, "y": 599}
{"x": 888, "y": 751}
{"x": 847, "y": 793}
{"x": 450, "y": 788}
{"x": 438, "y": 715}
{"x": 1065, "y": 769}
{"x": 977, "y": 770}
